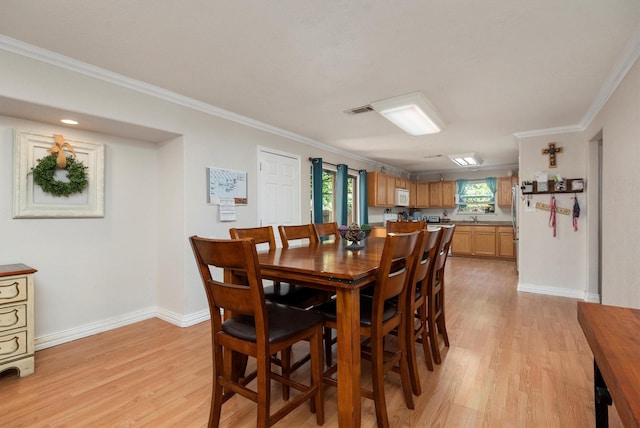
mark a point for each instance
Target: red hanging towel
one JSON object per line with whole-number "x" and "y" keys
{"x": 576, "y": 213}
{"x": 552, "y": 214}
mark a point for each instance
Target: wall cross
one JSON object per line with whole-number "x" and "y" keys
{"x": 551, "y": 151}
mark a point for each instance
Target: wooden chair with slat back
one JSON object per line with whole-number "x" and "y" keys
{"x": 284, "y": 294}
{"x": 404, "y": 226}
{"x": 327, "y": 230}
{"x": 379, "y": 316}
{"x": 257, "y": 329}
{"x": 299, "y": 232}
{"x": 436, "y": 294}
{"x": 417, "y": 327}
{"x": 378, "y": 232}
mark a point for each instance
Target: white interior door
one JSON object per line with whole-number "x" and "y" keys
{"x": 278, "y": 189}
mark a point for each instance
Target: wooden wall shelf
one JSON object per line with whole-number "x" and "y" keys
{"x": 551, "y": 187}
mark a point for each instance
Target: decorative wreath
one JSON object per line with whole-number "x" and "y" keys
{"x": 43, "y": 176}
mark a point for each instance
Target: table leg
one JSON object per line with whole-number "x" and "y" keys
{"x": 348, "y": 311}
{"x": 602, "y": 398}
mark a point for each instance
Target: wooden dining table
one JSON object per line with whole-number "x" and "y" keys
{"x": 332, "y": 266}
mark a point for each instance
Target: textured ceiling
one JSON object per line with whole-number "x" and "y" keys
{"x": 491, "y": 68}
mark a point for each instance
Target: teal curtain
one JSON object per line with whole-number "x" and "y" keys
{"x": 342, "y": 188}
{"x": 460, "y": 185}
{"x": 316, "y": 189}
{"x": 491, "y": 184}
{"x": 362, "y": 195}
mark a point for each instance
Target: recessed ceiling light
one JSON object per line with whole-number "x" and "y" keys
{"x": 69, "y": 121}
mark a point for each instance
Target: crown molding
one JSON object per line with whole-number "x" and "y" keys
{"x": 629, "y": 57}
{"x": 43, "y": 55}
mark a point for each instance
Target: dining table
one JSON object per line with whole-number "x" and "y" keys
{"x": 337, "y": 267}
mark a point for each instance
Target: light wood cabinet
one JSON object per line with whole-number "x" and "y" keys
{"x": 483, "y": 241}
{"x": 442, "y": 194}
{"x": 381, "y": 190}
{"x": 448, "y": 194}
{"x": 461, "y": 241}
{"x": 505, "y": 247}
{"x": 17, "y": 319}
{"x": 413, "y": 194}
{"x": 504, "y": 190}
{"x": 422, "y": 194}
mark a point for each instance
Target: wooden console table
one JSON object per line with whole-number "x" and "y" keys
{"x": 613, "y": 334}
{"x": 16, "y": 318}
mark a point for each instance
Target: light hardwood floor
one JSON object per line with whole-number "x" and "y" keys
{"x": 516, "y": 360}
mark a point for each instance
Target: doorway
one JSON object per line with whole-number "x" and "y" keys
{"x": 278, "y": 189}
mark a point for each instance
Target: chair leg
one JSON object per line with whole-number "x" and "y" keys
{"x": 410, "y": 352}
{"x": 377, "y": 364}
{"x": 285, "y": 360}
{"x": 424, "y": 337}
{"x": 442, "y": 326}
{"x": 263, "y": 367}
{"x": 433, "y": 331}
{"x": 216, "y": 390}
{"x": 317, "y": 403}
{"x": 405, "y": 378}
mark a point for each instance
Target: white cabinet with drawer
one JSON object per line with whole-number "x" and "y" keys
{"x": 16, "y": 318}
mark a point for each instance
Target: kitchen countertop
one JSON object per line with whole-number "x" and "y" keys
{"x": 479, "y": 223}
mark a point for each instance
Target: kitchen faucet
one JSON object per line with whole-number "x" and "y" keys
{"x": 474, "y": 218}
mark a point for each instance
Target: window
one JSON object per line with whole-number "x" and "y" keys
{"x": 476, "y": 197}
{"x": 329, "y": 197}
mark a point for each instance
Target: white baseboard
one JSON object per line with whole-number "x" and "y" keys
{"x": 86, "y": 330}
{"x": 561, "y": 292}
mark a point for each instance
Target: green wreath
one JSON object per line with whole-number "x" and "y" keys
{"x": 43, "y": 176}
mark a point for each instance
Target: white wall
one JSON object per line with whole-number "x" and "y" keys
{"x": 619, "y": 122}
{"x": 136, "y": 262}
{"x": 546, "y": 264}
{"x": 91, "y": 269}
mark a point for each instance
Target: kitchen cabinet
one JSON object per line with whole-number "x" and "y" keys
{"x": 413, "y": 194}
{"x": 461, "y": 241}
{"x": 17, "y": 319}
{"x": 442, "y": 194}
{"x": 422, "y": 194}
{"x": 401, "y": 183}
{"x": 504, "y": 190}
{"x": 505, "y": 247}
{"x": 381, "y": 189}
{"x": 483, "y": 241}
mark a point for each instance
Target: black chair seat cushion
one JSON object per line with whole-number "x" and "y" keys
{"x": 284, "y": 322}
{"x": 292, "y": 295}
{"x": 328, "y": 309}
{"x": 368, "y": 291}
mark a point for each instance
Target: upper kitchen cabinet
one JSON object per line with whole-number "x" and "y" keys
{"x": 422, "y": 194}
{"x": 442, "y": 194}
{"x": 504, "y": 190}
{"x": 381, "y": 189}
{"x": 413, "y": 194}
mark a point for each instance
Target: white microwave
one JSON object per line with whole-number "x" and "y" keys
{"x": 402, "y": 198}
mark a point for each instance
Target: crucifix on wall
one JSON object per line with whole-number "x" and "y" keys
{"x": 551, "y": 151}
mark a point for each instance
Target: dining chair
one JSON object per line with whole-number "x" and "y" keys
{"x": 379, "y": 316}
{"x": 417, "y": 325}
{"x": 284, "y": 294}
{"x": 299, "y": 232}
{"x": 436, "y": 295}
{"x": 378, "y": 232}
{"x": 327, "y": 230}
{"x": 404, "y": 226}
{"x": 257, "y": 329}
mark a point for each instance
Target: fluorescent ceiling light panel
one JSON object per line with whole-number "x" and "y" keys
{"x": 411, "y": 112}
{"x": 466, "y": 159}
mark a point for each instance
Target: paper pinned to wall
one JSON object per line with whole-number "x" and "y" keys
{"x": 227, "y": 209}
